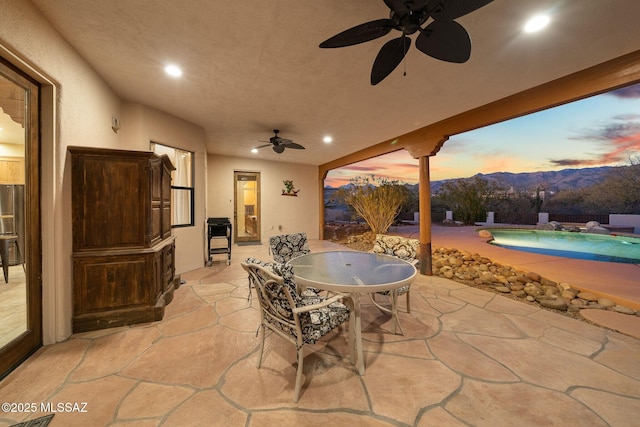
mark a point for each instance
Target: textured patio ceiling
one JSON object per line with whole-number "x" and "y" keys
{"x": 250, "y": 67}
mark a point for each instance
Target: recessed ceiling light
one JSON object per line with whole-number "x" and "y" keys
{"x": 327, "y": 139}
{"x": 173, "y": 70}
{"x": 537, "y": 23}
{"x": 254, "y": 150}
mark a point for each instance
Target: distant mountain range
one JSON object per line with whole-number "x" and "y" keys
{"x": 566, "y": 179}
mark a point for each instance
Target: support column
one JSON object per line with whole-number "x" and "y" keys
{"x": 425, "y": 218}
{"x": 322, "y": 175}
{"x": 321, "y": 205}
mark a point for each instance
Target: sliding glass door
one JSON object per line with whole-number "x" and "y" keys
{"x": 20, "y": 284}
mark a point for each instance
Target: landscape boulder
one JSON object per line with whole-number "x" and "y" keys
{"x": 529, "y": 286}
{"x": 485, "y": 234}
{"x": 594, "y": 227}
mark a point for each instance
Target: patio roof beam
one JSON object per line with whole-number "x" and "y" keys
{"x": 427, "y": 141}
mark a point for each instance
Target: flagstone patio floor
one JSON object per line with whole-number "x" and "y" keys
{"x": 467, "y": 357}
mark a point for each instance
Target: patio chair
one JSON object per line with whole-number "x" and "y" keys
{"x": 405, "y": 249}
{"x": 298, "y": 319}
{"x": 287, "y": 246}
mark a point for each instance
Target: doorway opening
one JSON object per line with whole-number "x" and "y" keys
{"x": 246, "y": 207}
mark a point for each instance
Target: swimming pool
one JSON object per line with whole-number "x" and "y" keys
{"x": 589, "y": 246}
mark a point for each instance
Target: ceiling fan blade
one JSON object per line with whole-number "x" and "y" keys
{"x": 359, "y": 34}
{"x": 265, "y": 145}
{"x": 448, "y": 10}
{"x": 400, "y": 6}
{"x": 293, "y": 145}
{"x": 388, "y": 58}
{"x": 283, "y": 140}
{"x": 446, "y": 41}
{"x": 278, "y": 148}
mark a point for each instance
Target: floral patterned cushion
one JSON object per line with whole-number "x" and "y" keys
{"x": 321, "y": 321}
{"x": 400, "y": 247}
{"x": 283, "y": 270}
{"x": 315, "y": 323}
{"x": 288, "y": 246}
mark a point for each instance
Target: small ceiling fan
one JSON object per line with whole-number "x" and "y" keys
{"x": 279, "y": 144}
{"x": 442, "y": 39}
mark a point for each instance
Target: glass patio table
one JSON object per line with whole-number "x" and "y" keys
{"x": 355, "y": 274}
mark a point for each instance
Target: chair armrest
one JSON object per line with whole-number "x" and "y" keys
{"x": 327, "y": 302}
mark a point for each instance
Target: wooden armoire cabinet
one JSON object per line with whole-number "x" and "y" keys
{"x": 123, "y": 249}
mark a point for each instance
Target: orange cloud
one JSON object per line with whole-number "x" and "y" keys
{"x": 618, "y": 141}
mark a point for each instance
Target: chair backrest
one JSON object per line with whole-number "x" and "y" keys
{"x": 277, "y": 295}
{"x": 287, "y": 246}
{"x": 400, "y": 247}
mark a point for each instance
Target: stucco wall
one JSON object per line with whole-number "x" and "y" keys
{"x": 294, "y": 214}
{"x": 140, "y": 125}
{"x": 626, "y": 220}
{"x": 80, "y": 106}
{"x": 77, "y": 110}
{"x": 77, "y": 107}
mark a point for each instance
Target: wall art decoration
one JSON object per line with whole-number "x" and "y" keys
{"x": 289, "y": 190}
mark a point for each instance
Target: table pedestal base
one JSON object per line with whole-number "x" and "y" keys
{"x": 356, "y": 353}
{"x": 393, "y": 312}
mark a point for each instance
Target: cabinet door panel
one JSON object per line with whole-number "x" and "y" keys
{"x": 12, "y": 171}
{"x": 156, "y": 200}
{"x": 169, "y": 266}
{"x": 112, "y": 283}
{"x": 109, "y": 213}
{"x": 166, "y": 202}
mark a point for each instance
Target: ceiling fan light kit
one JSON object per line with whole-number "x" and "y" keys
{"x": 443, "y": 38}
{"x": 279, "y": 144}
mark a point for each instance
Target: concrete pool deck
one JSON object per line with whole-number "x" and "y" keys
{"x": 616, "y": 281}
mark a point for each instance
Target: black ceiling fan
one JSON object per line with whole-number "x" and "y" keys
{"x": 279, "y": 144}
{"x": 442, "y": 39}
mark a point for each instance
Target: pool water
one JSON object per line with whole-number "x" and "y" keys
{"x": 589, "y": 246}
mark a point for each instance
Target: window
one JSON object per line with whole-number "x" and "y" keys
{"x": 182, "y": 190}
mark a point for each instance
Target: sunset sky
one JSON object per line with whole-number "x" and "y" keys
{"x": 603, "y": 130}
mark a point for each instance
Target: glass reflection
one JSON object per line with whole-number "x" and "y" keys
{"x": 13, "y": 290}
